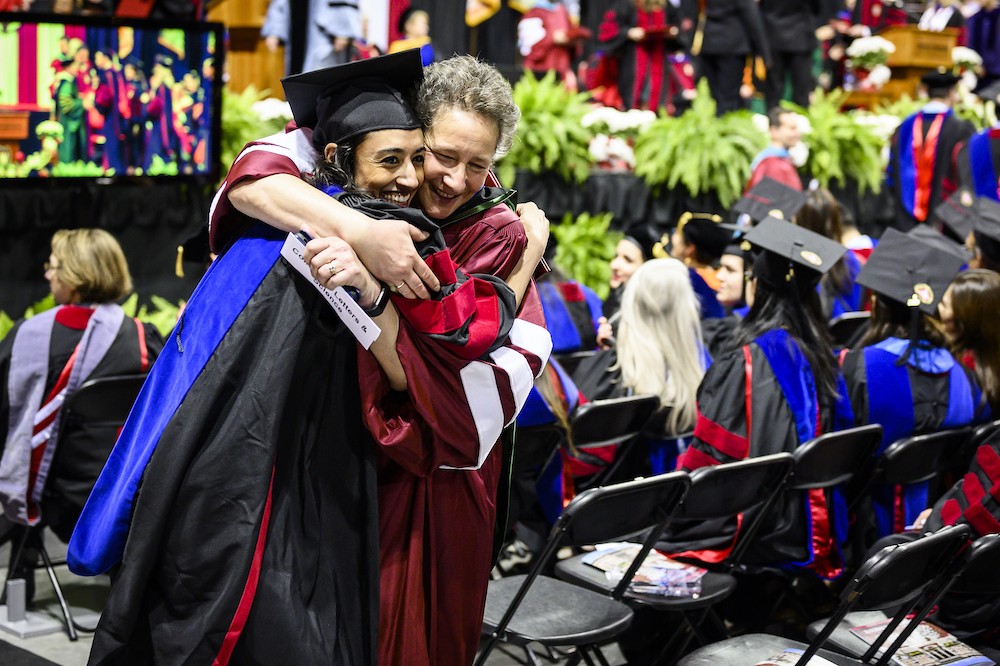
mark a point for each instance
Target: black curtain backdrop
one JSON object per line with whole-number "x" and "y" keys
{"x": 149, "y": 220}
{"x": 630, "y": 201}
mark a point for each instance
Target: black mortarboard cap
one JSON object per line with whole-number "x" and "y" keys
{"x": 791, "y": 250}
{"x": 647, "y": 239}
{"x": 344, "y": 101}
{"x": 942, "y": 77}
{"x": 908, "y": 270}
{"x": 990, "y": 93}
{"x": 940, "y": 241}
{"x": 706, "y": 232}
{"x": 987, "y": 229}
{"x": 769, "y": 197}
{"x": 958, "y": 213}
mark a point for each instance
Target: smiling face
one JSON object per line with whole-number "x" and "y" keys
{"x": 389, "y": 164}
{"x": 627, "y": 260}
{"x": 460, "y": 148}
{"x": 730, "y": 276}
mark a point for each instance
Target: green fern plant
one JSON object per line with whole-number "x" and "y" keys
{"x": 585, "y": 249}
{"x": 902, "y": 108}
{"x": 840, "y": 148}
{"x": 550, "y": 135}
{"x": 699, "y": 151}
{"x": 6, "y": 323}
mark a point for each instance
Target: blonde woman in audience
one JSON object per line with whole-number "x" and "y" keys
{"x": 659, "y": 351}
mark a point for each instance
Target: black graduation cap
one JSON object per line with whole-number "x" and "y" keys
{"x": 990, "y": 93}
{"x": 958, "y": 213}
{"x": 649, "y": 240}
{"x": 705, "y": 231}
{"x": 792, "y": 251}
{"x": 344, "y": 101}
{"x": 987, "y": 228}
{"x": 908, "y": 270}
{"x": 940, "y": 241}
{"x": 942, "y": 77}
{"x": 769, "y": 197}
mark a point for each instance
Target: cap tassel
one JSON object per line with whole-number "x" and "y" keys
{"x": 179, "y": 265}
{"x": 914, "y": 304}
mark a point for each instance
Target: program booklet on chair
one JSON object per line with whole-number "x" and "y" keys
{"x": 791, "y": 656}
{"x": 928, "y": 645}
{"x": 658, "y": 574}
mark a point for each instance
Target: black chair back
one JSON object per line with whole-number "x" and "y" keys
{"x": 621, "y": 510}
{"x": 613, "y": 421}
{"x": 535, "y": 446}
{"x": 919, "y": 458}
{"x": 846, "y": 326}
{"x": 721, "y": 491}
{"x": 571, "y": 361}
{"x": 835, "y": 457}
{"x": 107, "y": 400}
{"x": 979, "y": 576}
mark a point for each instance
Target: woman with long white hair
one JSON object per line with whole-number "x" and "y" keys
{"x": 659, "y": 351}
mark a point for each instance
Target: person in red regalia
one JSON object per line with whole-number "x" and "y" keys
{"x": 641, "y": 34}
{"x": 549, "y": 39}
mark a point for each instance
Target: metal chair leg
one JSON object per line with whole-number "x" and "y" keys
{"x": 600, "y": 656}
{"x": 70, "y": 625}
{"x": 15, "y": 562}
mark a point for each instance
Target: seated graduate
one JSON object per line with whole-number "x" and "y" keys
{"x": 659, "y": 351}
{"x": 782, "y": 348}
{"x": 572, "y": 310}
{"x": 43, "y": 361}
{"x": 699, "y": 240}
{"x": 968, "y": 313}
{"x": 838, "y": 292}
{"x": 630, "y": 253}
{"x": 986, "y": 235}
{"x": 903, "y": 376}
{"x": 735, "y": 294}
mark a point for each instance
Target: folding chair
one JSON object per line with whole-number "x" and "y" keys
{"x": 975, "y": 572}
{"x": 535, "y": 608}
{"x": 717, "y": 492}
{"x": 823, "y": 463}
{"x": 896, "y": 575}
{"x": 844, "y": 328}
{"x": 101, "y": 405}
{"x": 614, "y": 422}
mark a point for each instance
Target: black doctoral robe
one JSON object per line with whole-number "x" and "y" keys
{"x": 253, "y": 537}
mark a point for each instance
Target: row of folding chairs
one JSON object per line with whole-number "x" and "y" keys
{"x": 564, "y": 611}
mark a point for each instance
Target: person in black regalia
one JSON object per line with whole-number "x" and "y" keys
{"x": 254, "y": 535}
{"x": 781, "y": 347}
{"x": 923, "y": 162}
{"x": 919, "y": 386}
{"x": 791, "y": 27}
{"x": 727, "y": 32}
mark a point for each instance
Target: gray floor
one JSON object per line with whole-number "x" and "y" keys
{"x": 87, "y": 595}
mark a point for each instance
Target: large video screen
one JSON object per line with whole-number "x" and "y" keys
{"x": 92, "y": 98}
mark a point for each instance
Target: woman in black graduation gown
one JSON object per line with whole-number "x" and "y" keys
{"x": 795, "y": 394}
{"x": 921, "y": 387}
